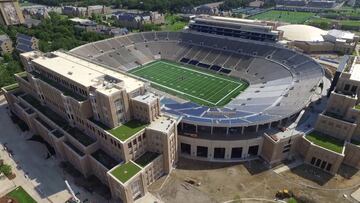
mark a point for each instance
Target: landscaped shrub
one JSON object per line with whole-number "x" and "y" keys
{"x": 6, "y": 169}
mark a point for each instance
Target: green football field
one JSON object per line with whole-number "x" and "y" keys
{"x": 204, "y": 88}
{"x": 284, "y": 16}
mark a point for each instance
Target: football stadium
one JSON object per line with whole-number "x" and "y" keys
{"x": 224, "y": 84}
{"x": 126, "y": 108}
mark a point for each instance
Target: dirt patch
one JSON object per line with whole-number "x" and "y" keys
{"x": 224, "y": 182}
{"x": 8, "y": 200}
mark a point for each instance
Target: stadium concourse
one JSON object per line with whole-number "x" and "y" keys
{"x": 266, "y": 85}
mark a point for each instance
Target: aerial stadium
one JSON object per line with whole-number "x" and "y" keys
{"x": 227, "y": 79}
{"x": 222, "y": 90}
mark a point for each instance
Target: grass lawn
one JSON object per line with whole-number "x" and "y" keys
{"x": 21, "y": 196}
{"x": 146, "y": 158}
{"x": 325, "y": 141}
{"x": 284, "y": 16}
{"x": 127, "y": 130}
{"x": 125, "y": 171}
{"x": 204, "y": 88}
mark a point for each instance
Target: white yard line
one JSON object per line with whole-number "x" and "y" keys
{"x": 218, "y": 91}
{"x": 228, "y": 94}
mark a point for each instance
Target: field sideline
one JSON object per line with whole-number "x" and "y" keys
{"x": 189, "y": 83}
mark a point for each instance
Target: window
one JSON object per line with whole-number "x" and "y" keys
{"x": 328, "y": 167}
{"x": 318, "y": 162}
{"x": 219, "y": 153}
{"x": 347, "y": 87}
{"x": 323, "y": 164}
{"x": 353, "y": 89}
{"x": 236, "y": 152}
{"x": 129, "y": 145}
{"x": 313, "y": 161}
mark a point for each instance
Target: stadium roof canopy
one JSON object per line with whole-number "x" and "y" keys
{"x": 304, "y": 33}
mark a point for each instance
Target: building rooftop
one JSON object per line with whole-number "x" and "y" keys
{"x": 85, "y": 73}
{"x": 126, "y": 130}
{"x": 147, "y": 98}
{"x": 81, "y": 137}
{"x": 126, "y": 171}
{"x": 325, "y": 141}
{"x": 304, "y": 33}
{"x": 105, "y": 159}
{"x": 58, "y": 86}
{"x": 146, "y": 158}
{"x": 74, "y": 148}
{"x": 355, "y": 72}
{"x": 50, "y": 114}
{"x": 339, "y": 34}
{"x": 162, "y": 124}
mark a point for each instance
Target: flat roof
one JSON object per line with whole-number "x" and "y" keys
{"x": 125, "y": 172}
{"x": 162, "y": 124}
{"x": 355, "y": 72}
{"x": 127, "y": 130}
{"x": 84, "y": 72}
{"x": 146, "y": 158}
{"x": 146, "y": 98}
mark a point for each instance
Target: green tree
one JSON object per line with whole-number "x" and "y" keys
{"x": 6, "y": 169}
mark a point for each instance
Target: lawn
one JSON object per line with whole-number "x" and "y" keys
{"x": 189, "y": 83}
{"x": 21, "y": 196}
{"x": 284, "y": 16}
{"x": 125, "y": 171}
{"x": 127, "y": 130}
{"x": 326, "y": 141}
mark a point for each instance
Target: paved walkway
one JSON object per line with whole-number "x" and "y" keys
{"x": 356, "y": 195}
{"x": 41, "y": 178}
{"x": 6, "y": 186}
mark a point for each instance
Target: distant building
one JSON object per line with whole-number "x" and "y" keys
{"x": 91, "y": 26}
{"x": 236, "y": 27}
{"x": 10, "y": 13}
{"x": 209, "y": 9}
{"x": 6, "y": 44}
{"x": 97, "y": 9}
{"x": 114, "y": 31}
{"x": 256, "y": 4}
{"x": 36, "y": 12}
{"x": 74, "y": 11}
{"x": 26, "y": 43}
{"x": 85, "y": 11}
{"x": 314, "y": 40}
{"x": 137, "y": 20}
{"x": 30, "y": 22}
